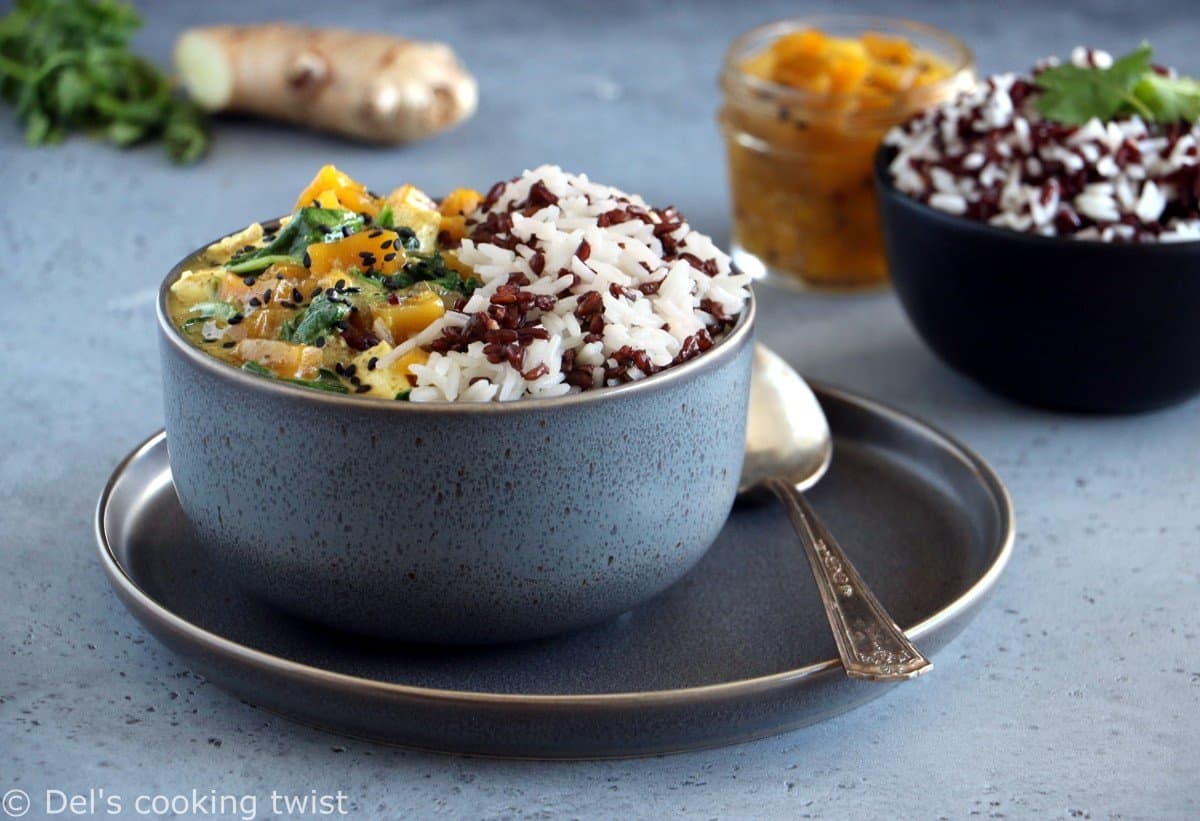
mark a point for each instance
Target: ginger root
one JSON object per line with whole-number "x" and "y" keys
{"x": 369, "y": 86}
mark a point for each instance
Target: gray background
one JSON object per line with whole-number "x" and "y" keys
{"x": 1074, "y": 694}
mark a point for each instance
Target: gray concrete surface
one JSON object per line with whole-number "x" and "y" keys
{"x": 1075, "y": 694}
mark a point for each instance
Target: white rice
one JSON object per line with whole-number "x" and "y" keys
{"x": 657, "y": 305}
{"x": 989, "y": 155}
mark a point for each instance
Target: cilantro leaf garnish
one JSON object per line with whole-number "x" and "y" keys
{"x": 65, "y": 65}
{"x": 1072, "y": 94}
{"x": 1170, "y": 98}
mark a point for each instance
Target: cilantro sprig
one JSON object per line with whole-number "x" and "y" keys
{"x": 65, "y": 65}
{"x": 1072, "y": 94}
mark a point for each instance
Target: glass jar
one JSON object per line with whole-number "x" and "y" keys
{"x": 800, "y": 161}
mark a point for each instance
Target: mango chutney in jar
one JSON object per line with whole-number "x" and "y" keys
{"x": 806, "y": 105}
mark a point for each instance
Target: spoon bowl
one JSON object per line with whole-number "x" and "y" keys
{"x": 787, "y": 434}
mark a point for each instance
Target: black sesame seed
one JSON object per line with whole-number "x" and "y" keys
{"x": 372, "y": 362}
{"x": 287, "y": 304}
{"x": 362, "y": 389}
{"x": 307, "y": 260}
{"x": 320, "y": 343}
{"x": 296, "y": 295}
{"x": 266, "y": 297}
{"x": 340, "y": 284}
{"x": 375, "y": 233}
{"x": 315, "y": 293}
{"x": 329, "y": 292}
{"x": 386, "y": 244}
{"x": 255, "y": 301}
{"x": 351, "y": 370}
{"x": 228, "y": 344}
{"x": 354, "y": 380}
{"x": 248, "y": 280}
{"x": 338, "y": 369}
{"x": 388, "y": 257}
{"x": 235, "y": 319}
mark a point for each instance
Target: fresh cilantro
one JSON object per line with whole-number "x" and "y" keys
{"x": 403, "y": 395}
{"x": 386, "y": 218}
{"x": 318, "y": 319}
{"x": 308, "y": 226}
{"x": 65, "y": 65}
{"x": 1170, "y": 98}
{"x": 1073, "y": 94}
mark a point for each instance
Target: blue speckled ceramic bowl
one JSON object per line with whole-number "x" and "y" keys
{"x": 456, "y": 523}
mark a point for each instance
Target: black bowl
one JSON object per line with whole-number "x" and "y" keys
{"x": 1067, "y": 324}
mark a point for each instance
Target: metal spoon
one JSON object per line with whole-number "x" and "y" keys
{"x": 788, "y": 449}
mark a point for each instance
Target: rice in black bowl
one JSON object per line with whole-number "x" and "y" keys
{"x": 992, "y": 156}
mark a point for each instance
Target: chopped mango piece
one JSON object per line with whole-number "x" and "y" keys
{"x": 888, "y": 49}
{"x": 412, "y": 315}
{"x": 264, "y": 323}
{"x": 805, "y": 204}
{"x": 233, "y": 288}
{"x": 378, "y": 251}
{"x": 332, "y": 188}
{"x": 454, "y": 227}
{"x": 460, "y": 202}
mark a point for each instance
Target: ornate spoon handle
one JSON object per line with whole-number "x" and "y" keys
{"x": 869, "y": 642}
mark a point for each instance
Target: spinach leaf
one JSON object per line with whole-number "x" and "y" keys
{"x": 326, "y": 380}
{"x": 428, "y": 268}
{"x": 308, "y": 226}
{"x": 408, "y": 238}
{"x": 213, "y": 310}
{"x": 403, "y": 395}
{"x": 318, "y": 319}
{"x": 386, "y": 218}
{"x": 257, "y": 369}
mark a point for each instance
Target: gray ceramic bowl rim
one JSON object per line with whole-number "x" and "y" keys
{"x": 886, "y": 186}
{"x": 225, "y": 648}
{"x": 725, "y": 347}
